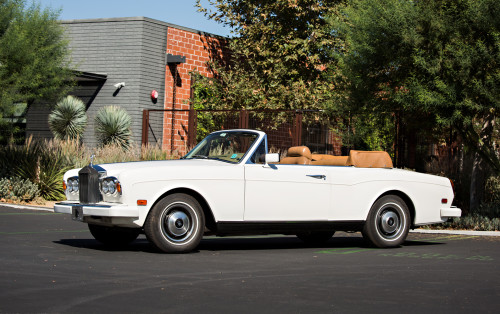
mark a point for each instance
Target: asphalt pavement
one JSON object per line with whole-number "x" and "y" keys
{"x": 51, "y": 264}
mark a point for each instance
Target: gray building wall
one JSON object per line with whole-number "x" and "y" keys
{"x": 130, "y": 50}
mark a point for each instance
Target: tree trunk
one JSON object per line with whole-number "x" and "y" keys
{"x": 478, "y": 176}
{"x": 476, "y": 183}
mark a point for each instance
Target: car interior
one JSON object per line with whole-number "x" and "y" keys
{"x": 301, "y": 155}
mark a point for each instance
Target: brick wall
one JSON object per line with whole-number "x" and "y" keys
{"x": 198, "y": 48}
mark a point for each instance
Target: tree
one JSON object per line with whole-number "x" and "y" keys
{"x": 280, "y": 54}
{"x": 434, "y": 60}
{"x": 34, "y": 56}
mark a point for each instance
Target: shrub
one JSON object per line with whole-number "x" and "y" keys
{"x": 43, "y": 163}
{"x": 18, "y": 189}
{"x": 113, "y": 126}
{"x": 475, "y": 222}
{"x": 492, "y": 189}
{"x": 68, "y": 119}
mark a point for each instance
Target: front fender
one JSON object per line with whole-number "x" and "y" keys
{"x": 225, "y": 198}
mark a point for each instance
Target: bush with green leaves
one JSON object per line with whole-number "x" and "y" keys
{"x": 471, "y": 222}
{"x": 18, "y": 189}
{"x": 68, "y": 119}
{"x": 492, "y": 189}
{"x": 43, "y": 163}
{"x": 112, "y": 126}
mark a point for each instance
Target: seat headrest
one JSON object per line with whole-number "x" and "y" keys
{"x": 299, "y": 151}
{"x": 369, "y": 159}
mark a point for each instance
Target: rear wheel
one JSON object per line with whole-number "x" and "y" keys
{"x": 315, "y": 237}
{"x": 388, "y": 222}
{"x": 175, "y": 224}
{"x": 114, "y": 236}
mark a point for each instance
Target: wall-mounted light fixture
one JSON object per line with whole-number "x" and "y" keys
{"x": 174, "y": 59}
{"x": 119, "y": 85}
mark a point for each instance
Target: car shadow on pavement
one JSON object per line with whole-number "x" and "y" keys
{"x": 139, "y": 245}
{"x": 242, "y": 243}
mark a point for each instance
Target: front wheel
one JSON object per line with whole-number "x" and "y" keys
{"x": 388, "y": 222}
{"x": 175, "y": 224}
{"x": 114, "y": 236}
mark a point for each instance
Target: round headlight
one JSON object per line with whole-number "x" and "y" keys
{"x": 112, "y": 188}
{"x": 105, "y": 187}
{"x": 72, "y": 185}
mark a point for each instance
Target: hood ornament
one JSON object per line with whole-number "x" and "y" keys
{"x": 92, "y": 160}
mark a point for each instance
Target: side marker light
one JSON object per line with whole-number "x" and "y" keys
{"x": 142, "y": 202}
{"x": 444, "y": 201}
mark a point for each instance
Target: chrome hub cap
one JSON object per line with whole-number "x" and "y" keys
{"x": 389, "y": 222}
{"x": 177, "y": 223}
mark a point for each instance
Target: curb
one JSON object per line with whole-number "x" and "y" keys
{"x": 460, "y": 232}
{"x": 30, "y": 207}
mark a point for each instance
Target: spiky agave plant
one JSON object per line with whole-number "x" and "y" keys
{"x": 112, "y": 126}
{"x": 68, "y": 119}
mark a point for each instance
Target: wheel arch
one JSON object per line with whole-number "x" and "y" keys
{"x": 406, "y": 199}
{"x": 207, "y": 211}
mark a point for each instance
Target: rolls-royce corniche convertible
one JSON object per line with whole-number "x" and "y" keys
{"x": 230, "y": 185}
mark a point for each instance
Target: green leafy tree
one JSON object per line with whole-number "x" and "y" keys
{"x": 112, "y": 126}
{"x": 34, "y": 56}
{"x": 68, "y": 119}
{"x": 281, "y": 54}
{"x": 436, "y": 62}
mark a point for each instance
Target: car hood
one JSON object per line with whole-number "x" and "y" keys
{"x": 116, "y": 169}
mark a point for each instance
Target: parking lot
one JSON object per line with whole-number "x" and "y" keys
{"x": 51, "y": 264}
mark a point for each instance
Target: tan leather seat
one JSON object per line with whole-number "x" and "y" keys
{"x": 301, "y": 155}
{"x": 297, "y": 155}
{"x": 328, "y": 160}
{"x": 367, "y": 159}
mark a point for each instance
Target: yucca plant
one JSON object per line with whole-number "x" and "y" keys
{"x": 112, "y": 126}
{"x": 68, "y": 119}
{"x": 43, "y": 164}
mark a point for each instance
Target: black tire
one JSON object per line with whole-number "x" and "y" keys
{"x": 175, "y": 224}
{"x": 114, "y": 236}
{"x": 388, "y": 222}
{"x": 316, "y": 237}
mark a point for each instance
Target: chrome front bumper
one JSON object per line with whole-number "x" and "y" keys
{"x": 79, "y": 211}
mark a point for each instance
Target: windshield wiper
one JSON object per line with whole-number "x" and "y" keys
{"x": 199, "y": 157}
{"x": 206, "y": 157}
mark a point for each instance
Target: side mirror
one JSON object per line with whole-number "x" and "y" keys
{"x": 271, "y": 158}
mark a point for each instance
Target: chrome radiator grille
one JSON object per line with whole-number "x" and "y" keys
{"x": 88, "y": 178}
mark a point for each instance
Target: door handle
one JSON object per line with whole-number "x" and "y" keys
{"x": 317, "y": 176}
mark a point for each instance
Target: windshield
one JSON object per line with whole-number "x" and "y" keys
{"x": 225, "y": 146}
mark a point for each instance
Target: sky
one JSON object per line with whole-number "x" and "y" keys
{"x": 179, "y": 12}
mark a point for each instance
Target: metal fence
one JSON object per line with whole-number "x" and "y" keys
{"x": 284, "y": 128}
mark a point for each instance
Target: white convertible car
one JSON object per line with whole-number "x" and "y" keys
{"x": 229, "y": 185}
